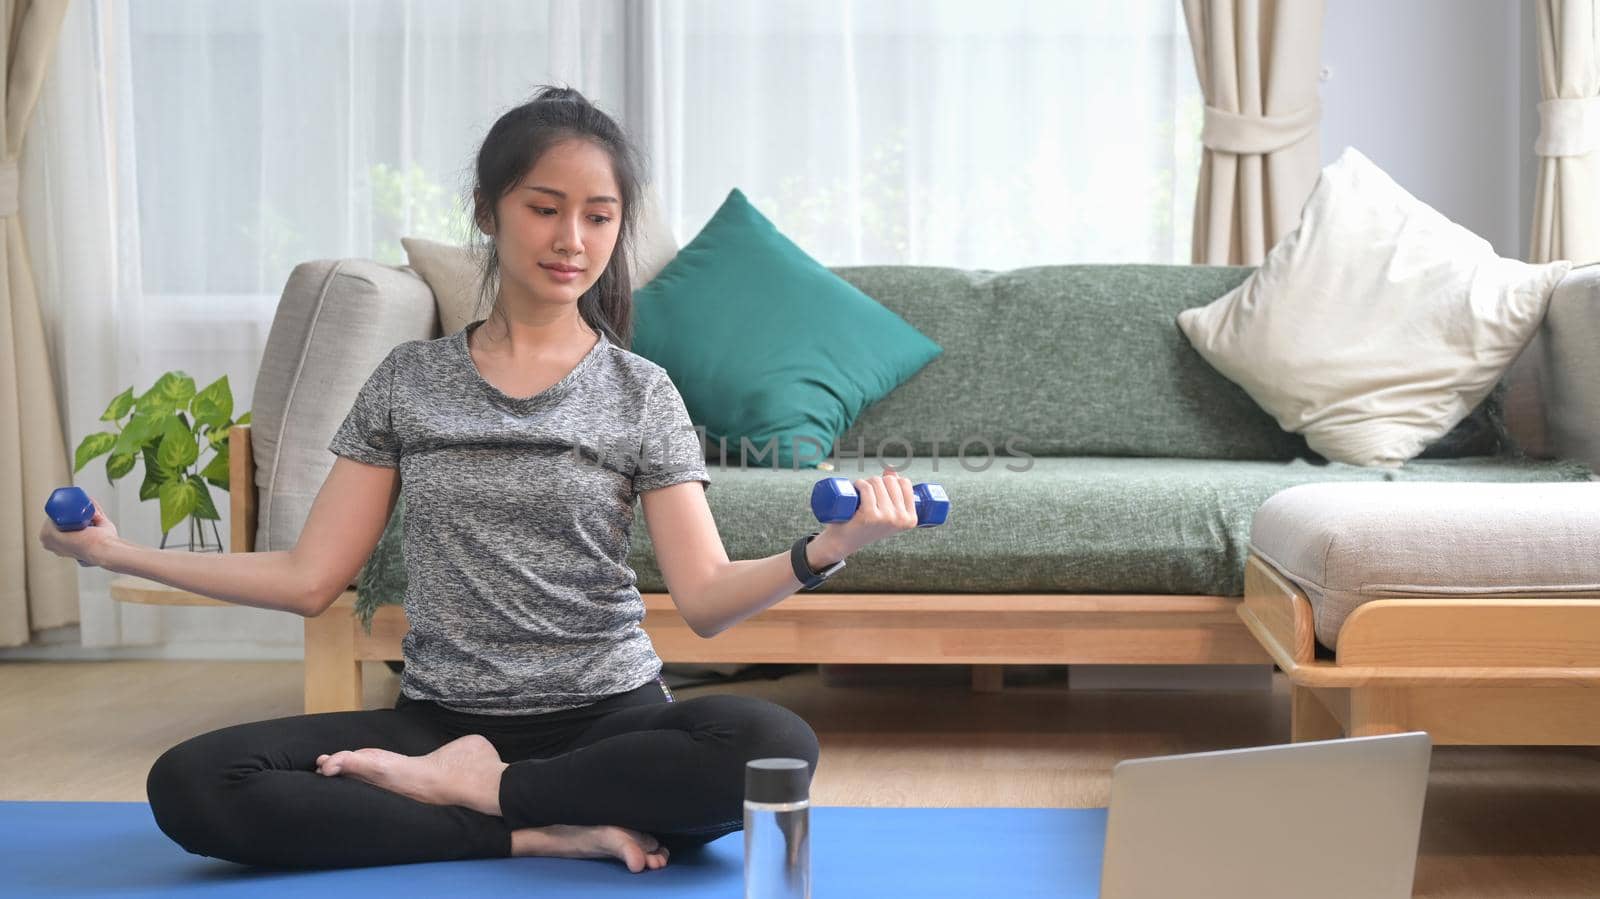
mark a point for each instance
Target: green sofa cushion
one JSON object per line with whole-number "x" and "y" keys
{"x": 766, "y": 344}
{"x": 1074, "y": 360}
{"x": 1067, "y": 525}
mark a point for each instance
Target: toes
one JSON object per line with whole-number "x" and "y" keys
{"x": 361, "y": 762}
{"x": 626, "y": 845}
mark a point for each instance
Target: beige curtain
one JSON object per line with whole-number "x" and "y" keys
{"x": 1566, "y": 204}
{"x": 1257, "y": 62}
{"x": 38, "y": 590}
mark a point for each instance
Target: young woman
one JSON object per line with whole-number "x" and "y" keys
{"x": 531, "y": 718}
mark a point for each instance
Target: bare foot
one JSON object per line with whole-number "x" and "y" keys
{"x": 639, "y": 851}
{"x": 463, "y": 772}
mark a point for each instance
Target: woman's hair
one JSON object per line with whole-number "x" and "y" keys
{"x": 512, "y": 148}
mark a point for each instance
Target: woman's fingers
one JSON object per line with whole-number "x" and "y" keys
{"x": 867, "y": 499}
{"x": 887, "y": 499}
{"x": 908, "y": 498}
{"x": 898, "y": 497}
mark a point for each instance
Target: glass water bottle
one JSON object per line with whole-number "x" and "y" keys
{"x": 777, "y": 829}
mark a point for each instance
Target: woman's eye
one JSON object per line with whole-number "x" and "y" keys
{"x": 543, "y": 210}
{"x": 599, "y": 219}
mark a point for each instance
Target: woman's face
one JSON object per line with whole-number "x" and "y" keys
{"x": 558, "y": 226}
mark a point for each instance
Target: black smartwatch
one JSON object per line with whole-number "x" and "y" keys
{"x": 802, "y": 569}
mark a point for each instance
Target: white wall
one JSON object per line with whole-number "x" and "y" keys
{"x": 1440, "y": 94}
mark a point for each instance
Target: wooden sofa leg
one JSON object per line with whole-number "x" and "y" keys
{"x": 1377, "y": 710}
{"x": 1309, "y": 718}
{"x": 333, "y": 673}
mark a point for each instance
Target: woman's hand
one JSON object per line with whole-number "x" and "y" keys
{"x": 84, "y": 545}
{"x": 887, "y": 507}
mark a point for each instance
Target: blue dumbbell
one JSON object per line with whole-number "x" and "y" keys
{"x": 835, "y": 499}
{"x": 71, "y": 509}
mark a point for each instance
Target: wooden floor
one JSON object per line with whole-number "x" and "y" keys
{"x": 1499, "y": 822}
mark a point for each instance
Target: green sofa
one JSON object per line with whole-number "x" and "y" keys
{"x": 1146, "y": 464}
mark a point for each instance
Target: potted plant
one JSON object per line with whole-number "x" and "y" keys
{"x": 169, "y": 427}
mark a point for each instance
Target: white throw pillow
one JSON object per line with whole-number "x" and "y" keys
{"x": 1377, "y": 324}
{"x": 452, "y": 271}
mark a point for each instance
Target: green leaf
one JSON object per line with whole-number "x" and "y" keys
{"x": 117, "y": 466}
{"x": 178, "y": 499}
{"x": 92, "y": 446}
{"x": 204, "y": 509}
{"x": 143, "y": 428}
{"x": 120, "y": 406}
{"x": 217, "y": 437}
{"x": 171, "y": 392}
{"x": 217, "y": 471}
{"x": 214, "y": 405}
{"x": 176, "y": 385}
{"x": 154, "y": 475}
{"x": 178, "y": 449}
{"x": 243, "y": 419}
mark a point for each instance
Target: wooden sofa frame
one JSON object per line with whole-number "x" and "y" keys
{"x": 983, "y": 630}
{"x": 1473, "y": 670}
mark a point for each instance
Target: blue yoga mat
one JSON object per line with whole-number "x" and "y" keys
{"x": 105, "y": 849}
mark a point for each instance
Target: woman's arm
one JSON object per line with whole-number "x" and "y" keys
{"x": 346, "y": 520}
{"x": 712, "y": 593}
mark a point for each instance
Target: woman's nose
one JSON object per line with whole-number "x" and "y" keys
{"x": 568, "y": 237}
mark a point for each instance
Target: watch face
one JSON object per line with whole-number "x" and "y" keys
{"x": 826, "y": 573}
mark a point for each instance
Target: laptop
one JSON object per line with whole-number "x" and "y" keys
{"x": 1337, "y": 818}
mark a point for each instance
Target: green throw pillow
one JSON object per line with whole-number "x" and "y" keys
{"x": 766, "y": 344}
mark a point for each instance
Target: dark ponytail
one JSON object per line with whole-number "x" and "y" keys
{"x": 512, "y": 148}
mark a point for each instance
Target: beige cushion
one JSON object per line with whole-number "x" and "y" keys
{"x": 334, "y": 324}
{"x": 453, "y": 271}
{"x": 1347, "y": 544}
{"x": 1570, "y": 366}
{"x": 1523, "y": 406}
{"x": 1376, "y": 325}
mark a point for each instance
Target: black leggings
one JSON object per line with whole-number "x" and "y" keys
{"x": 251, "y": 793}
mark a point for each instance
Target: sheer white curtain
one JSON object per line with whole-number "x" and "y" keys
{"x": 934, "y": 132}
{"x": 187, "y": 154}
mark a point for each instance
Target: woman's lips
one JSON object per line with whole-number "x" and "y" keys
{"x": 560, "y": 275}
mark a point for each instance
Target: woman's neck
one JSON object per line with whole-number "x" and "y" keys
{"x": 534, "y": 334}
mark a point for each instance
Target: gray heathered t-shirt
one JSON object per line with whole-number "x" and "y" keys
{"x": 519, "y": 513}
